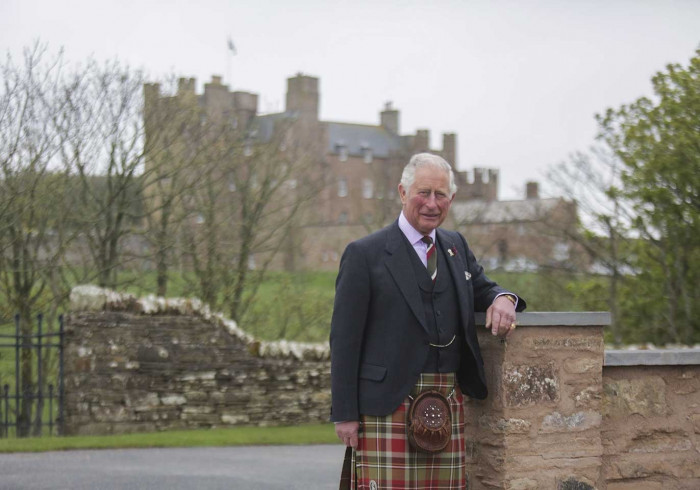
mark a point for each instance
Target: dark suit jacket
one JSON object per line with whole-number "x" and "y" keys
{"x": 379, "y": 339}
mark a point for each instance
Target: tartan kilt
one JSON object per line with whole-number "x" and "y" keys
{"x": 385, "y": 460}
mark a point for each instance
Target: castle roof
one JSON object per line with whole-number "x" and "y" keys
{"x": 358, "y": 137}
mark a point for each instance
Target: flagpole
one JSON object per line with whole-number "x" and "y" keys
{"x": 230, "y": 53}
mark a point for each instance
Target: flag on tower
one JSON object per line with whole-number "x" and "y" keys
{"x": 231, "y": 47}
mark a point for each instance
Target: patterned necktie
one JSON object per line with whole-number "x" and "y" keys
{"x": 432, "y": 258}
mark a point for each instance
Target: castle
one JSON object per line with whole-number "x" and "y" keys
{"x": 359, "y": 166}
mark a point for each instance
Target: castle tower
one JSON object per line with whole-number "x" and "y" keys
{"x": 303, "y": 97}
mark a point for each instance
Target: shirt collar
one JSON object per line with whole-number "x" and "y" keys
{"x": 410, "y": 232}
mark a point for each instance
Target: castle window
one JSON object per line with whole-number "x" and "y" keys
{"x": 367, "y": 188}
{"x": 343, "y": 218}
{"x": 342, "y": 187}
{"x": 367, "y": 154}
{"x": 343, "y": 153}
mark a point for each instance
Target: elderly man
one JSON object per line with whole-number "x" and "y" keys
{"x": 403, "y": 323}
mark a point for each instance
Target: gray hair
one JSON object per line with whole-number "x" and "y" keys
{"x": 424, "y": 160}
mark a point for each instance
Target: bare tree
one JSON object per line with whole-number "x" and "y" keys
{"x": 244, "y": 211}
{"x": 34, "y": 212}
{"x": 105, "y": 148}
{"x": 593, "y": 181}
{"x": 176, "y": 137}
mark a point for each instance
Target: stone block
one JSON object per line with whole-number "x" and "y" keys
{"x": 504, "y": 426}
{"x": 659, "y": 441}
{"x": 197, "y": 396}
{"x": 642, "y": 466}
{"x": 173, "y": 399}
{"x": 589, "y": 397}
{"x": 522, "y": 484}
{"x": 146, "y": 402}
{"x": 235, "y": 418}
{"x": 624, "y": 397}
{"x": 568, "y": 343}
{"x": 567, "y": 445}
{"x": 575, "y": 483}
{"x": 197, "y": 409}
{"x": 583, "y": 365}
{"x": 695, "y": 419}
{"x": 526, "y": 385}
{"x": 579, "y": 421}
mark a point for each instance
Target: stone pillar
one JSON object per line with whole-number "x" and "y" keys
{"x": 540, "y": 426}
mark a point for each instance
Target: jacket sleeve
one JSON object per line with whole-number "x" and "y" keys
{"x": 485, "y": 290}
{"x": 352, "y": 297}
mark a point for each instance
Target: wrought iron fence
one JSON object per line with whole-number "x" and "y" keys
{"x": 33, "y": 404}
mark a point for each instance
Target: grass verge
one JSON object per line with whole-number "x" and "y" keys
{"x": 237, "y": 436}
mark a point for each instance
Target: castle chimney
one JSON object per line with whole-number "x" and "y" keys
{"x": 449, "y": 148}
{"x": 532, "y": 190}
{"x": 389, "y": 118}
{"x": 302, "y": 96}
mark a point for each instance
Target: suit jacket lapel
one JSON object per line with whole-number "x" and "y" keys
{"x": 399, "y": 264}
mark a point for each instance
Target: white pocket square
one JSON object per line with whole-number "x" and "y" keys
{"x": 467, "y": 275}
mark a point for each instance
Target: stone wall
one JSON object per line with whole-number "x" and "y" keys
{"x": 651, "y": 419}
{"x": 540, "y": 426}
{"x": 562, "y": 412}
{"x": 152, "y": 364}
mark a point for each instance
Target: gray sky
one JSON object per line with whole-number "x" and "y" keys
{"x": 518, "y": 81}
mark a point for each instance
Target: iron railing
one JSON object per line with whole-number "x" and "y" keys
{"x": 32, "y": 407}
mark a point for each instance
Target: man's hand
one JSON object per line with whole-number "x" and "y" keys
{"x": 347, "y": 432}
{"x": 500, "y": 317}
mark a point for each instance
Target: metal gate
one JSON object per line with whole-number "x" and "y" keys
{"x": 31, "y": 389}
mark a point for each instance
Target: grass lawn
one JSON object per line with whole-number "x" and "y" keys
{"x": 238, "y": 436}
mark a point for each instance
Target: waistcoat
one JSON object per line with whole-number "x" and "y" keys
{"x": 441, "y": 308}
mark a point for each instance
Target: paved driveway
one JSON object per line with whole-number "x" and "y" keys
{"x": 258, "y": 467}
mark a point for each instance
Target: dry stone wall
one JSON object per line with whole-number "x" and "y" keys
{"x": 152, "y": 364}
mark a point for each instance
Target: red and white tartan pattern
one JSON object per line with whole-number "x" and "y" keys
{"x": 385, "y": 460}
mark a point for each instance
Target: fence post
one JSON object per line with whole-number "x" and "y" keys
{"x": 17, "y": 375}
{"x": 61, "y": 387}
{"x": 39, "y": 377}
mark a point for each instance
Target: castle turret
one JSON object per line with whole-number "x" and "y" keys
{"x": 421, "y": 142}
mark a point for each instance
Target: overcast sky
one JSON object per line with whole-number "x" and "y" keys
{"x": 518, "y": 81}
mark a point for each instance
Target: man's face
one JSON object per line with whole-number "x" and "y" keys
{"x": 427, "y": 201}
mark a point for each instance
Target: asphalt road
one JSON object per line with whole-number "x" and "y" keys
{"x": 258, "y": 467}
